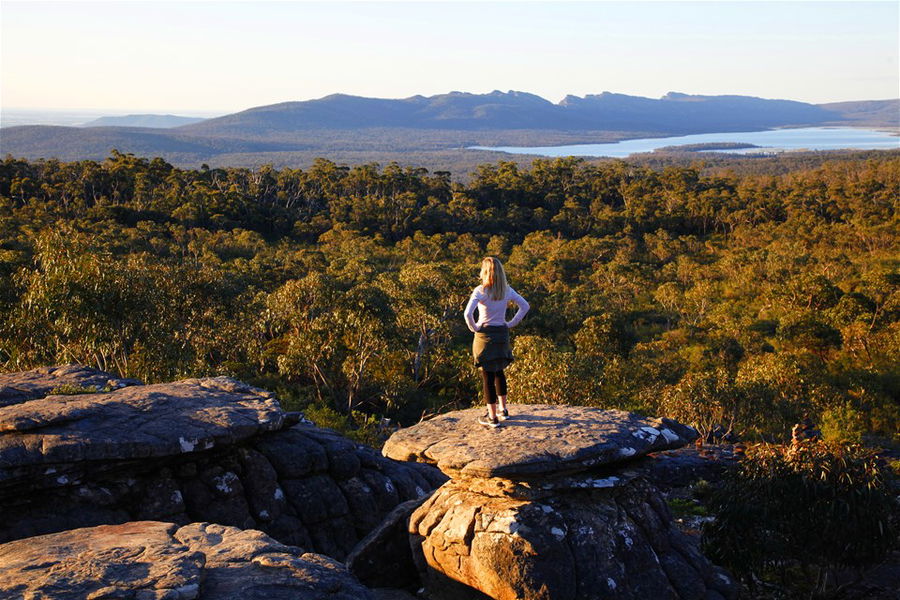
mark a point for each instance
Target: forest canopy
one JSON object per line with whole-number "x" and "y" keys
{"x": 734, "y": 302}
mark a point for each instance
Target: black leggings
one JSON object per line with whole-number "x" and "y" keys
{"x": 494, "y": 385}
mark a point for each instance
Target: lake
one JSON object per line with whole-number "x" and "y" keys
{"x": 773, "y": 140}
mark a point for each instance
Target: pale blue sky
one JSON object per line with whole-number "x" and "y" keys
{"x": 217, "y": 56}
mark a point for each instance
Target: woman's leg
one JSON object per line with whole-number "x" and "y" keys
{"x": 490, "y": 393}
{"x": 500, "y": 384}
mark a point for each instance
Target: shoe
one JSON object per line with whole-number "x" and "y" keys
{"x": 502, "y": 416}
{"x": 492, "y": 423}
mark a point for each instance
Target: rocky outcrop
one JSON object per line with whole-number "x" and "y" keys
{"x": 206, "y": 488}
{"x": 684, "y": 466}
{"x": 211, "y": 449}
{"x": 551, "y": 506}
{"x": 147, "y": 560}
{"x": 58, "y": 437}
{"x": 542, "y": 440}
{"x": 37, "y": 383}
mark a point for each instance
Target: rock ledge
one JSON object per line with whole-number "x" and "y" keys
{"x": 537, "y": 440}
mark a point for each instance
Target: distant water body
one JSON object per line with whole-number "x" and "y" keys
{"x": 774, "y": 140}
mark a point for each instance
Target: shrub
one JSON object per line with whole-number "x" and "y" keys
{"x": 843, "y": 424}
{"x": 705, "y": 400}
{"x": 685, "y": 507}
{"x": 800, "y": 514}
{"x": 542, "y": 373}
{"x": 807, "y": 332}
{"x": 895, "y": 467}
{"x": 73, "y": 390}
{"x": 359, "y": 427}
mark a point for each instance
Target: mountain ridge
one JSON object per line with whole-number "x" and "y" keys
{"x": 153, "y": 121}
{"x": 344, "y": 123}
{"x": 675, "y": 112}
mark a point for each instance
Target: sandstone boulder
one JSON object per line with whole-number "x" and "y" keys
{"x": 554, "y": 505}
{"x": 37, "y": 383}
{"x": 147, "y": 560}
{"x": 136, "y": 422}
{"x": 681, "y": 467}
{"x": 212, "y": 449}
{"x": 537, "y": 440}
{"x": 588, "y": 543}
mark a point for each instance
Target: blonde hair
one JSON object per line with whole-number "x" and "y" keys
{"x": 493, "y": 278}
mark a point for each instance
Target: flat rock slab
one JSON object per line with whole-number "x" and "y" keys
{"x": 537, "y": 440}
{"x": 132, "y": 423}
{"x": 154, "y": 560}
{"x": 37, "y": 383}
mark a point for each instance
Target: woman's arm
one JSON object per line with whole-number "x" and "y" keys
{"x": 523, "y": 308}
{"x": 469, "y": 312}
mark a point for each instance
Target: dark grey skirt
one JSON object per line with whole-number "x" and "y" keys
{"x": 490, "y": 348}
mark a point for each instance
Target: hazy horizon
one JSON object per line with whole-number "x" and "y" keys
{"x": 17, "y": 116}
{"x": 217, "y": 58}
{"x": 209, "y": 113}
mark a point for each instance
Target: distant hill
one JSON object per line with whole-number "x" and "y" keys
{"x": 150, "y": 121}
{"x": 75, "y": 143}
{"x": 456, "y": 110}
{"x": 673, "y": 113}
{"x": 378, "y": 129}
{"x": 683, "y": 113}
{"x": 872, "y": 113}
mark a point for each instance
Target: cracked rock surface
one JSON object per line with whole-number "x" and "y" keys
{"x": 146, "y": 560}
{"x": 132, "y": 422}
{"x": 536, "y": 440}
{"x": 556, "y": 504}
{"x": 213, "y": 449}
{"x": 584, "y": 544}
{"x": 37, "y": 383}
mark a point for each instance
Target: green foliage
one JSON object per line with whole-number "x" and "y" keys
{"x": 74, "y": 390}
{"x": 357, "y": 426}
{"x": 895, "y": 467}
{"x": 702, "y": 490}
{"x": 542, "y": 373}
{"x": 684, "y": 507}
{"x": 703, "y": 399}
{"x": 807, "y": 332}
{"x": 796, "y": 515}
{"x": 720, "y": 298}
{"x": 842, "y": 424}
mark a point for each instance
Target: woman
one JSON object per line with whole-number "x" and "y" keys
{"x": 490, "y": 347}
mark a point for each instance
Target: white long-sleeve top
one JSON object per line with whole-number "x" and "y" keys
{"x": 493, "y": 312}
